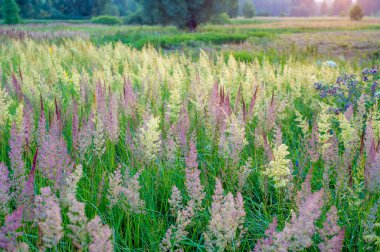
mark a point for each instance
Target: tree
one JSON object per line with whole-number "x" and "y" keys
{"x": 11, "y": 12}
{"x": 249, "y": 10}
{"x": 356, "y": 12}
{"x": 302, "y": 8}
{"x": 340, "y": 6}
{"x": 183, "y": 14}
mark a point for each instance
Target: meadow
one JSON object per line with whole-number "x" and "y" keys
{"x": 259, "y": 135}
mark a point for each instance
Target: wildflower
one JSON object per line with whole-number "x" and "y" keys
{"x": 5, "y": 186}
{"x": 278, "y": 168}
{"x": 17, "y": 162}
{"x": 9, "y": 232}
{"x": 48, "y": 215}
{"x": 101, "y": 236}
{"x": 227, "y": 219}
{"x": 149, "y": 138}
{"x": 193, "y": 184}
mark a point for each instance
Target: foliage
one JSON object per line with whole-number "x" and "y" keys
{"x": 356, "y": 12}
{"x": 10, "y": 12}
{"x": 220, "y": 19}
{"x": 249, "y": 10}
{"x": 107, "y": 20}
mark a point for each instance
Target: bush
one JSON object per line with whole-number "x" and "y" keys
{"x": 249, "y": 10}
{"x": 10, "y": 12}
{"x": 220, "y": 19}
{"x": 356, "y": 12}
{"x": 107, "y": 20}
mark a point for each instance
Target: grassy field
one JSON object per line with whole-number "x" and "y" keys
{"x": 260, "y": 135}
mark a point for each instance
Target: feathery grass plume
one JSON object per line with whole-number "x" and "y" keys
{"x": 27, "y": 125}
{"x": 302, "y": 122}
{"x": 359, "y": 120}
{"x": 75, "y": 126}
{"x": 177, "y": 232}
{"x": 175, "y": 200}
{"x": 78, "y": 220}
{"x": 194, "y": 188}
{"x": 277, "y": 137}
{"x": 27, "y": 196}
{"x": 115, "y": 187}
{"x": 372, "y": 172}
{"x": 369, "y": 139}
{"x": 76, "y": 210}
{"x": 243, "y": 173}
{"x": 53, "y": 159}
{"x": 279, "y": 168}
{"x": 149, "y": 138}
{"x": 183, "y": 127}
{"x": 226, "y": 226}
{"x": 270, "y": 115}
{"x": 170, "y": 145}
{"x": 9, "y": 232}
{"x": 324, "y": 129}
{"x": 17, "y": 163}
{"x": 331, "y": 233}
{"x": 101, "y": 236}
{"x": 219, "y": 107}
{"x": 99, "y": 139}
{"x": 100, "y": 103}
{"x": 41, "y": 132}
{"x": 48, "y": 215}
{"x": 129, "y": 98}
{"x": 85, "y": 137}
{"x": 297, "y": 234}
{"x": 371, "y": 229}
{"x": 125, "y": 187}
{"x": 17, "y": 86}
{"x": 234, "y": 138}
{"x": 113, "y": 129}
{"x": 312, "y": 146}
{"x": 5, "y": 103}
{"x": 5, "y": 187}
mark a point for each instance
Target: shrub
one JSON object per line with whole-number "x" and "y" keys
{"x": 107, "y": 20}
{"x": 220, "y": 19}
{"x": 356, "y": 12}
{"x": 249, "y": 10}
{"x": 10, "y": 12}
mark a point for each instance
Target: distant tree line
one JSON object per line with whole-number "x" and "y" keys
{"x": 182, "y": 13}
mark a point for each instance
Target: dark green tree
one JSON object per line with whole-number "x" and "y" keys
{"x": 185, "y": 14}
{"x": 356, "y": 12}
{"x": 249, "y": 10}
{"x": 11, "y": 12}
